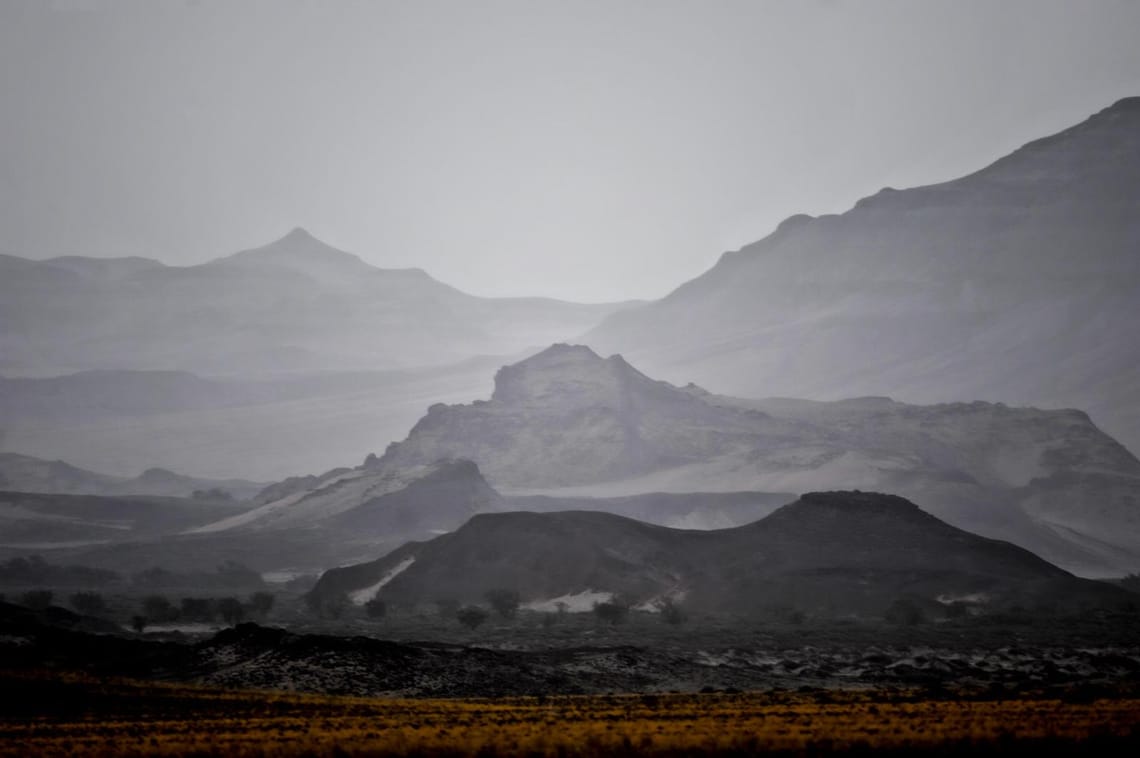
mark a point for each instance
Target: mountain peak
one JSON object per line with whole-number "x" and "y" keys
{"x": 300, "y": 251}
{"x": 299, "y": 234}
{"x": 559, "y": 369}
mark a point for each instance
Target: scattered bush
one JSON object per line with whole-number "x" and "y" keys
{"x": 36, "y": 599}
{"x": 199, "y": 609}
{"x": 261, "y": 603}
{"x": 231, "y": 610}
{"x": 471, "y": 616}
{"x": 376, "y": 608}
{"x": 611, "y": 612}
{"x": 159, "y": 610}
{"x": 671, "y": 613}
{"x": 88, "y": 603}
{"x": 505, "y": 602}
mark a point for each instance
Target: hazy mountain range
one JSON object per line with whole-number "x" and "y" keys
{"x": 24, "y": 473}
{"x": 294, "y": 305}
{"x": 569, "y": 422}
{"x": 1019, "y": 283}
{"x": 828, "y": 554}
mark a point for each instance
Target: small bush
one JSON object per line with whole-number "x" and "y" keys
{"x": 611, "y": 612}
{"x": 261, "y": 603}
{"x": 505, "y": 602}
{"x": 37, "y": 599}
{"x": 88, "y": 603}
{"x": 671, "y": 613}
{"x": 471, "y": 616}
{"x": 376, "y": 608}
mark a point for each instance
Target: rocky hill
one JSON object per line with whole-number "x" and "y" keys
{"x": 567, "y": 422}
{"x": 1019, "y": 283}
{"x": 829, "y": 553}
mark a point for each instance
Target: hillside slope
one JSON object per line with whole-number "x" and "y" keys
{"x": 1019, "y": 283}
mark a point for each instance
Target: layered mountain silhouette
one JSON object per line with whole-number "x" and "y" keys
{"x": 1019, "y": 283}
{"x": 24, "y": 473}
{"x": 294, "y": 305}
{"x": 829, "y": 553}
{"x": 570, "y": 423}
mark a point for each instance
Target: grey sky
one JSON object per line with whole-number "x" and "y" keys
{"x": 585, "y": 150}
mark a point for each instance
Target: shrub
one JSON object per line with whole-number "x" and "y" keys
{"x": 37, "y": 599}
{"x": 88, "y": 603}
{"x": 471, "y": 616}
{"x": 197, "y": 609}
{"x": 158, "y": 609}
{"x": 505, "y": 602}
{"x": 231, "y": 610}
{"x": 376, "y": 608}
{"x": 261, "y": 603}
{"x": 671, "y": 613}
{"x": 611, "y": 612}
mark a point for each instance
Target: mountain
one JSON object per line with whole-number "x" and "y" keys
{"x": 23, "y": 473}
{"x": 369, "y": 502}
{"x": 832, "y": 553}
{"x": 295, "y": 305}
{"x": 567, "y": 422}
{"x": 1019, "y": 283}
{"x": 48, "y": 521}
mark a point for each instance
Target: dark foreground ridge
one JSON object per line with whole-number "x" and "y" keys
{"x": 827, "y": 555}
{"x": 1094, "y": 654}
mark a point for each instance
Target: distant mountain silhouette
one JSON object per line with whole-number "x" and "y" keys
{"x": 1018, "y": 283}
{"x": 828, "y": 553}
{"x": 24, "y": 473}
{"x": 570, "y": 423}
{"x": 296, "y": 304}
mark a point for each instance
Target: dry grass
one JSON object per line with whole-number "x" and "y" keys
{"x": 76, "y": 716}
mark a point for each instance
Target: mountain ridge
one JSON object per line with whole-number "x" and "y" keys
{"x": 568, "y": 423}
{"x": 1014, "y": 283}
{"x": 828, "y": 554}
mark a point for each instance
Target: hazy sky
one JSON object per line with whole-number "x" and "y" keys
{"x": 584, "y": 150}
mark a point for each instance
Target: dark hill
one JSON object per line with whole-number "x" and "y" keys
{"x": 828, "y": 553}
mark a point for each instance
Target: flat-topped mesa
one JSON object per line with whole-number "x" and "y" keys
{"x": 564, "y": 372}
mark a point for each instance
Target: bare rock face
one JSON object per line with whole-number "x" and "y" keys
{"x": 567, "y": 416}
{"x": 1018, "y": 283}
{"x": 568, "y": 422}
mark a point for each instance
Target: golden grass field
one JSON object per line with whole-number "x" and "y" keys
{"x": 79, "y": 716}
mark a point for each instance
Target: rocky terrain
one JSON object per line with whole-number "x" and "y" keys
{"x": 827, "y": 554}
{"x": 567, "y": 423}
{"x": 1018, "y": 283}
{"x": 1054, "y": 659}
